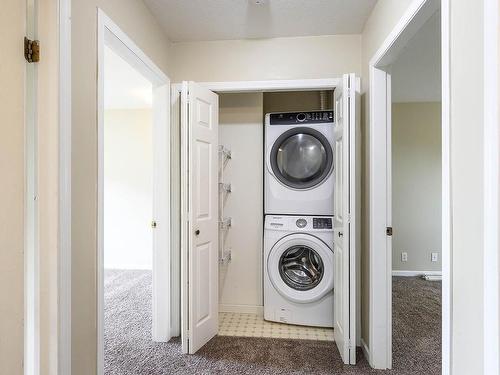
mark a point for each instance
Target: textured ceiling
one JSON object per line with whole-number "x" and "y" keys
{"x": 202, "y": 20}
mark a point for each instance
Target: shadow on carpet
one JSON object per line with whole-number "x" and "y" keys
{"x": 129, "y": 349}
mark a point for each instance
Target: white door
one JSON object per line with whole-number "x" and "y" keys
{"x": 345, "y": 207}
{"x": 161, "y": 216}
{"x": 200, "y": 111}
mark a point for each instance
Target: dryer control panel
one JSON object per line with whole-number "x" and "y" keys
{"x": 293, "y": 118}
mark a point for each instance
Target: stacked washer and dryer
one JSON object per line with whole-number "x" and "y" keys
{"x": 298, "y": 207}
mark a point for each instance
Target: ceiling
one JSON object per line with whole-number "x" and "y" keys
{"x": 203, "y": 20}
{"x": 124, "y": 87}
{"x": 416, "y": 74}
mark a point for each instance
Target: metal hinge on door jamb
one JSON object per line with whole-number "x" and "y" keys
{"x": 388, "y": 231}
{"x": 31, "y": 50}
{"x": 350, "y": 345}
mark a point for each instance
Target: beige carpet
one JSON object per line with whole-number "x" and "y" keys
{"x": 129, "y": 350}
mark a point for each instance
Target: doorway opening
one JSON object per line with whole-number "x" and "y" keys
{"x": 416, "y": 200}
{"x": 199, "y": 114}
{"x": 409, "y": 228}
{"x": 134, "y": 274}
{"x": 128, "y": 205}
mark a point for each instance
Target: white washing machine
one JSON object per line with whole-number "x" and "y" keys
{"x": 298, "y": 270}
{"x": 299, "y": 163}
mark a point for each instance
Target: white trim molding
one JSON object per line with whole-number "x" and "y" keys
{"x": 366, "y": 350}
{"x": 491, "y": 188}
{"x": 64, "y": 219}
{"x": 446, "y": 197}
{"x": 268, "y": 86}
{"x": 273, "y": 85}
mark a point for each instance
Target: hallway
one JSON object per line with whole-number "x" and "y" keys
{"x": 129, "y": 349}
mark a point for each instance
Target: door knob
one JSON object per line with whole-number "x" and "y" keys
{"x": 197, "y": 232}
{"x": 153, "y": 224}
{"x": 341, "y": 234}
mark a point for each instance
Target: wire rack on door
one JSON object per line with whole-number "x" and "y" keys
{"x": 224, "y": 190}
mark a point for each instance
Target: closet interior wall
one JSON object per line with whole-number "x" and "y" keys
{"x": 241, "y": 132}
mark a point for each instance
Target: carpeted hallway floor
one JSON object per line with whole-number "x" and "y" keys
{"x": 129, "y": 349}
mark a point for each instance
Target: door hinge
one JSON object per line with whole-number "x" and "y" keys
{"x": 349, "y": 92}
{"x": 350, "y": 345}
{"x": 388, "y": 231}
{"x": 31, "y": 50}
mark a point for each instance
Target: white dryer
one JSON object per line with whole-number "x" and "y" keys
{"x": 299, "y": 163}
{"x": 298, "y": 270}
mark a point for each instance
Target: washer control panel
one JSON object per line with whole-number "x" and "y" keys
{"x": 301, "y": 223}
{"x": 298, "y": 223}
{"x": 322, "y": 223}
{"x": 292, "y": 118}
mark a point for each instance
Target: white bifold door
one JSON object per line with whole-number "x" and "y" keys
{"x": 199, "y": 237}
{"x": 345, "y": 216}
{"x": 199, "y": 257}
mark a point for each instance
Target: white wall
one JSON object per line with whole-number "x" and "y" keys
{"x": 135, "y": 19}
{"x": 12, "y": 107}
{"x": 416, "y": 74}
{"x": 261, "y": 59}
{"x": 128, "y": 188}
{"x": 416, "y": 185}
{"x": 241, "y": 129}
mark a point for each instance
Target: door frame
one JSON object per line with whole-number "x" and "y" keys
{"x": 32, "y": 271}
{"x": 109, "y": 34}
{"x": 64, "y": 199}
{"x": 380, "y": 246}
{"x": 491, "y": 187}
{"x": 235, "y": 87}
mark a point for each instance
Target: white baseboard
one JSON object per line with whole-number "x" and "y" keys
{"x": 416, "y": 273}
{"x": 242, "y": 309}
{"x": 366, "y": 351}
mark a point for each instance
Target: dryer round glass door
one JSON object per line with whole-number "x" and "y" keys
{"x": 301, "y": 158}
{"x": 300, "y": 268}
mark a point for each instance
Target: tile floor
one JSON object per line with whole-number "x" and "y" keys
{"x": 250, "y": 325}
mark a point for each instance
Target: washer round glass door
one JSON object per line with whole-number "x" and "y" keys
{"x": 300, "y": 267}
{"x": 301, "y": 158}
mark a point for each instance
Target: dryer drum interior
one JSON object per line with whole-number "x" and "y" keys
{"x": 301, "y": 268}
{"x": 301, "y": 158}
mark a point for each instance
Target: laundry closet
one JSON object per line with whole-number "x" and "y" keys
{"x": 241, "y": 172}
{"x": 249, "y": 268}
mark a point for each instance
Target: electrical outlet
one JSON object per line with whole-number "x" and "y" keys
{"x": 434, "y": 257}
{"x": 404, "y": 256}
